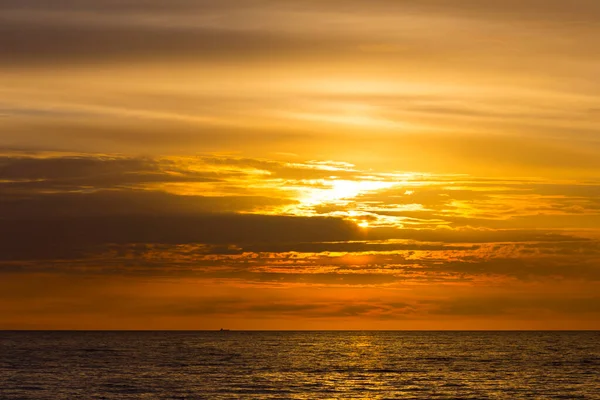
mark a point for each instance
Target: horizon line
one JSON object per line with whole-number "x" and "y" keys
{"x": 299, "y": 330}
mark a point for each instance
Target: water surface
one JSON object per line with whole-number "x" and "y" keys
{"x": 299, "y": 365}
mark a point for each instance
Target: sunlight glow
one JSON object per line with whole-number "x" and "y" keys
{"x": 340, "y": 190}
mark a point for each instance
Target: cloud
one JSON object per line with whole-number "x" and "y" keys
{"x": 490, "y": 90}
{"x": 89, "y": 31}
{"x": 90, "y": 172}
{"x": 64, "y": 43}
{"x": 318, "y": 263}
{"x": 126, "y": 203}
{"x": 113, "y": 210}
{"x": 181, "y": 229}
{"x": 526, "y": 306}
{"x": 469, "y": 235}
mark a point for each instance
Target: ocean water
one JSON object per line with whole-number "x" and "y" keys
{"x": 299, "y": 365}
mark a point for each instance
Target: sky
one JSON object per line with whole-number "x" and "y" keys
{"x": 255, "y": 164}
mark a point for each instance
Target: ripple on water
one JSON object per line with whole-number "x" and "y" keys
{"x": 299, "y": 365}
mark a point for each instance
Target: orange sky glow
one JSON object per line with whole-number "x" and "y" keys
{"x": 197, "y": 164}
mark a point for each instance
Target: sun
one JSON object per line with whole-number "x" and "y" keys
{"x": 335, "y": 191}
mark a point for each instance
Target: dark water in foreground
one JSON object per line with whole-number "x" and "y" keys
{"x": 299, "y": 365}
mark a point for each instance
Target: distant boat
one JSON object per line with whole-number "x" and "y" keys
{"x": 224, "y": 330}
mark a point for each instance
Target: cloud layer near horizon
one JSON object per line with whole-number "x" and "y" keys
{"x": 299, "y": 243}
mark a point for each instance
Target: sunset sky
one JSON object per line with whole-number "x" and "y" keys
{"x": 255, "y": 164}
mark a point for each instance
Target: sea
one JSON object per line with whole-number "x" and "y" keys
{"x": 299, "y": 365}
